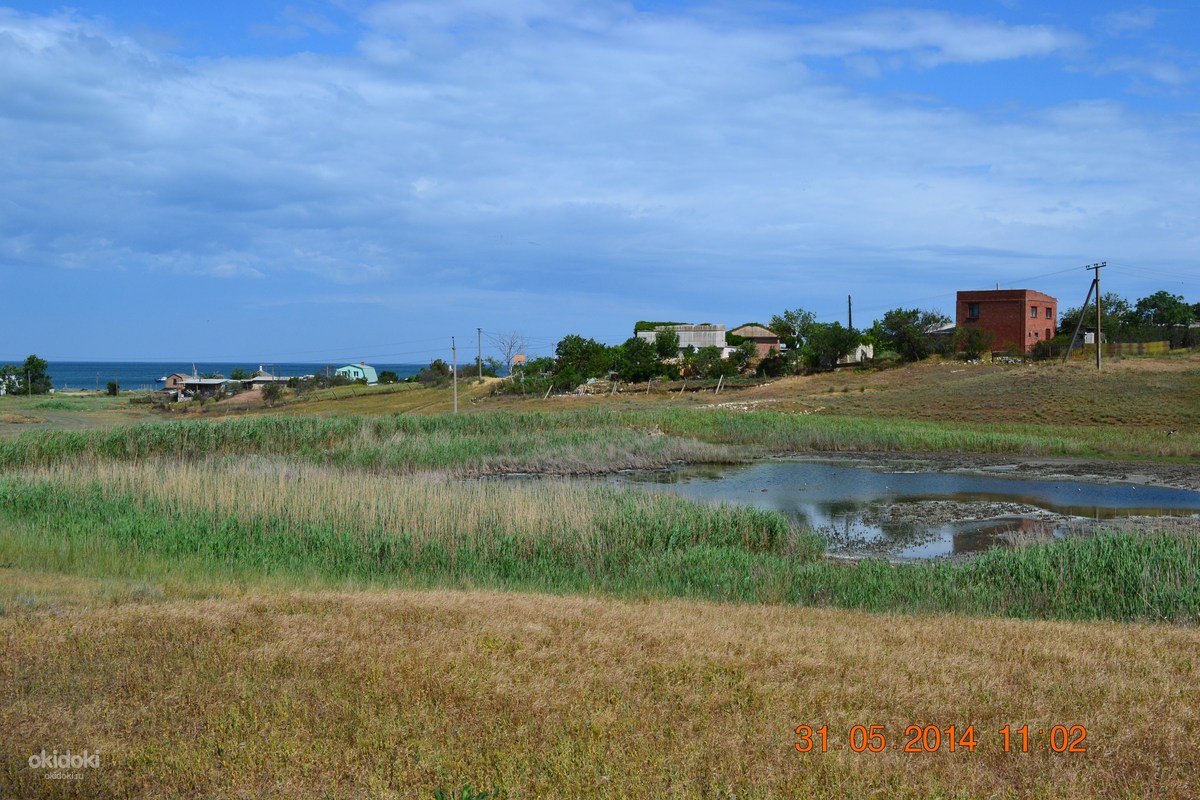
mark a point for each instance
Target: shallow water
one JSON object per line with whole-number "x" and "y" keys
{"x": 913, "y": 514}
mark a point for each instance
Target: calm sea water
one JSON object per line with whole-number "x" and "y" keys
{"x": 146, "y": 374}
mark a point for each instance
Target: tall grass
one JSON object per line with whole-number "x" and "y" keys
{"x": 267, "y": 518}
{"x": 467, "y": 444}
{"x": 569, "y": 442}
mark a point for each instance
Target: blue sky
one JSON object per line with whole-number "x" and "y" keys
{"x": 295, "y": 180}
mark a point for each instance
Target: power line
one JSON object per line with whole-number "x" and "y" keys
{"x": 1152, "y": 271}
{"x": 339, "y": 350}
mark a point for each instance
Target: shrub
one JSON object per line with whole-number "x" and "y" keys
{"x": 272, "y": 393}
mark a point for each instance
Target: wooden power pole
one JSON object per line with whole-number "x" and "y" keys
{"x": 1096, "y": 268}
{"x": 1093, "y": 288}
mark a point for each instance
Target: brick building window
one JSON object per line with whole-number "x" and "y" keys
{"x": 1033, "y": 311}
{"x": 973, "y": 310}
{"x": 1049, "y": 314}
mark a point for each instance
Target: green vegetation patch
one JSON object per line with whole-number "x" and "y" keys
{"x": 564, "y": 539}
{"x": 591, "y": 440}
{"x": 572, "y": 540}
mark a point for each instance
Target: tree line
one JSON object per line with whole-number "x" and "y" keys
{"x": 806, "y": 346}
{"x": 902, "y": 334}
{"x": 1161, "y": 316}
{"x": 30, "y": 377}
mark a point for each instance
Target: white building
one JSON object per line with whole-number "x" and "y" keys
{"x": 697, "y": 336}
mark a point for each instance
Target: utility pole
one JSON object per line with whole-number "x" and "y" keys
{"x": 454, "y": 368}
{"x": 1093, "y": 287}
{"x": 850, "y": 312}
{"x": 1096, "y": 268}
{"x": 479, "y": 341}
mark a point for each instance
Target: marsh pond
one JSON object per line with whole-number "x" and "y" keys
{"x": 905, "y": 509}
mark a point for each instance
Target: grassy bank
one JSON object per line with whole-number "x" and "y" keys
{"x": 266, "y": 518}
{"x": 568, "y": 442}
{"x": 393, "y": 694}
{"x": 467, "y": 444}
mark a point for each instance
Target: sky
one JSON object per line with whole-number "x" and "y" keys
{"x": 314, "y": 181}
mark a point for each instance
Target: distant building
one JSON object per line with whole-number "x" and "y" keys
{"x": 205, "y": 387}
{"x": 359, "y": 372}
{"x": 175, "y": 381}
{"x": 263, "y": 377}
{"x": 1015, "y": 317}
{"x": 697, "y": 336}
{"x": 765, "y": 340}
{"x": 861, "y": 354}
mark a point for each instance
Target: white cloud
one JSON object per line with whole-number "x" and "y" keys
{"x": 1167, "y": 73}
{"x": 1127, "y": 21}
{"x": 531, "y": 160}
{"x": 932, "y": 38}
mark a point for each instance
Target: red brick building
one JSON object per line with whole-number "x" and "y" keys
{"x": 1020, "y": 317}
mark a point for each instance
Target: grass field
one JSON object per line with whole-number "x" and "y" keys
{"x": 271, "y": 518}
{"x": 326, "y": 599}
{"x": 252, "y": 693}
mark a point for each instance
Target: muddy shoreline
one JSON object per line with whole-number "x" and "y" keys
{"x": 1138, "y": 473}
{"x": 1046, "y": 525}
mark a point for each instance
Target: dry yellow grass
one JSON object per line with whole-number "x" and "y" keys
{"x": 424, "y": 507}
{"x": 392, "y": 694}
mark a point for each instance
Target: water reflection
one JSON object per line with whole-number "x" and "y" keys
{"x": 912, "y": 514}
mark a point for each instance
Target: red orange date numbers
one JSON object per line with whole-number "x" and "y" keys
{"x": 935, "y": 738}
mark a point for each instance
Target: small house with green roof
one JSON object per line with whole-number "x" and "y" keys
{"x": 359, "y": 372}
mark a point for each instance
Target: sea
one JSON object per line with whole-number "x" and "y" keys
{"x": 95, "y": 375}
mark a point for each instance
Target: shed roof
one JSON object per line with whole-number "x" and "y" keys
{"x": 755, "y": 332}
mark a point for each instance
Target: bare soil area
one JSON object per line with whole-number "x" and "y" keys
{"x": 1036, "y": 524}
{"x": 1175, "y": 475}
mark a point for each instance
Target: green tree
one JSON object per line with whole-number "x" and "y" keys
{"x": 437, "y": 372}
{"x": 28, "y": 378}
{"x": 1163, "y": 309}
{"x": 542, "y": 365}
{"x": 906, "y": 331}
{"x": 239, "y": 374}
{"x": 792, "y": 327}
{"x": 666, "y": 344}
{"x": 825, "y": 343}
{"x": 707, "y": 363}
{"x": 744, "y": 354}
{"x": 490, "y": 368}
{"x": 388, "y": 376}
{"x": 973, "y": 341}
{"x": 637, "y": 360}
{"x": 772, "y": 366}
{"x": 577, "y": 359}
{"x": 113, "y": 388}
{"x": 271, "y": 393}
{"x": 1116, "y": 317}
{"x": 9, "y": 382}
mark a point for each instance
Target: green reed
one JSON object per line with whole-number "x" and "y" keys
{"x": 558, "y": 538}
